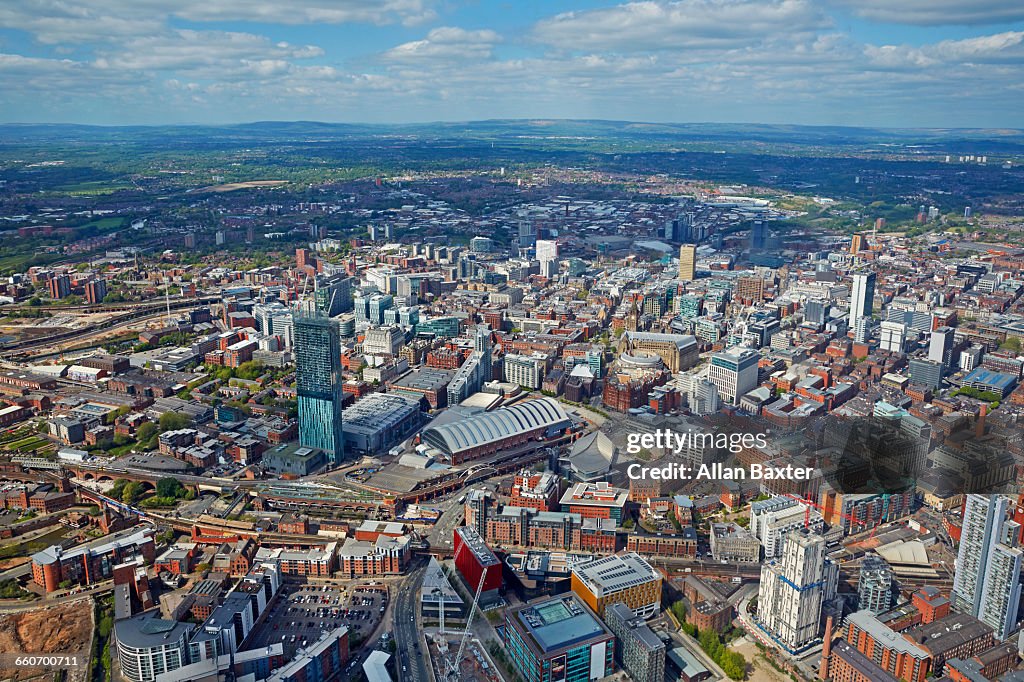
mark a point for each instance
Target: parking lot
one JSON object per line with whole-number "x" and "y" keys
{"x": 301, "y": 613}
{"x": 364, "y": 606}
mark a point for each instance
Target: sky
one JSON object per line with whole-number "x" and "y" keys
{"x": 889, "y": 63}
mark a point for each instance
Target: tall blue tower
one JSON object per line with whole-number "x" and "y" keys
{"x": 317, "y": 345}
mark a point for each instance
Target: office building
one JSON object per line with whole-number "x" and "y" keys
{"x": 940, "y": 347}
{"x": 318, "y": 382}
{"x": 558, "y": 639}
{"x": 547, "y": 250}
{"x": 334, "y": 297}
{"x": 793, "y": 589}
{"x": 758, "y": 234}
{"x": 733, "y": 543}
{"x": 384, "y": 340}
{"x": 595, "y": 501}
{"x": 816, "y": 312}
{"x": 638, "y": 650}
{"x": 734, "y": 373}
{"x": 687, "y": 262}
{"x": 986, "y": 583}
{"x": 525, "y": 370}
{"x": 475, "y": 561}
{"x": 875, "y": 585}
{"x": 925, "y": 372}
{"x": 626, "y": 578}
{"x": 893, "y": 336}
{"x": 862, "y": 297}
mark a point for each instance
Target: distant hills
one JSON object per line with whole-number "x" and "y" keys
{"x": 543, "y": 131}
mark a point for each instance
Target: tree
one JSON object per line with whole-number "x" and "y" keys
{"x": 146, "y": 431}
{"x": 172, "y": 421}
{"x": 132, "y": 492}
{"x": 169, "y": 487}
{"x": 118, "y": 489}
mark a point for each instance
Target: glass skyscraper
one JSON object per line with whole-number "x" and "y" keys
{"x": 317, "y": 346}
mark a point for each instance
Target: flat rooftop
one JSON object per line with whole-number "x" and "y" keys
{"x": 559, "y": 622}
{"x": 617, "y": 572}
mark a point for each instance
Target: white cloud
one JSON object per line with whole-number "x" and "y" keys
{"x": 446, "y": 44}
{"x": 650, "y": 25}
{"x": 76, "y": 21}
{"x": 1005, "y": 47}
{"x": 938, "y": 12}
{"x": 187, "y": 49}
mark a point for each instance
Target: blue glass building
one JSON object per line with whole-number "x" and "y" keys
{"x": 317, "y": 345}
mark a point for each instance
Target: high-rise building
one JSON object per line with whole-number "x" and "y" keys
{"x": 317, "y": 341}
{"x": 816, "y": 313}
{"x": 758, "y": 234}
{"x": 986, "y": 583}
{"x": 940, "y": 347}
{"x": 335, "y": 297}
{"x": 793, "y": 590}
{"x": 893, "y": 336}
{"x": 734, "y": 373}
{"x": 874, "y": 585}
{"x": 95, "y": 290}
{"x": 525, "y": 370}
{"x": 59, "y": 286}
{"x": 925, "y": 372}
{"x": 640, "y": 652}
{"x": 862, "y": 296}
{"x": 547, "y": 250}
{"x": 687, "y": 262}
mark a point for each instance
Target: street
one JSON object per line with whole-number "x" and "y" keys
{"x": 410, "y": 666}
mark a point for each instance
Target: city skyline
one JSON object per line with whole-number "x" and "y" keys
{"x": 784, "y": 62}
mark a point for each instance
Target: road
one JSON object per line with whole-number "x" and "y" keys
{"x": 410, "y": 666}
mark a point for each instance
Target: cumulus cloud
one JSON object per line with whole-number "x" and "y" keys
{"x": 642, "y": 26}
{"x": 741, "y": 60}
{"x": 446, "y": 44}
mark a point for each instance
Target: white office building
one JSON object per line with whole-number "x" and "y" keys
{"x": 734, "y": 373}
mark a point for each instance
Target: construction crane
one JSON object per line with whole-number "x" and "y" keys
{"x": 440, "y": 596}
{"x": 452, "y": 665}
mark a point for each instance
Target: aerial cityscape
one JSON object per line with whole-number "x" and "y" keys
{"x": 497, "y": 398}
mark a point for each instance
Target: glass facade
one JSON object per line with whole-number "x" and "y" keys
{"x": 318, "y": 382}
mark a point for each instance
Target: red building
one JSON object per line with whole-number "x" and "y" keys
{"x": 473, "y": 557}
{"x": 535, "y": 490}
{"x": 87, "y": 565}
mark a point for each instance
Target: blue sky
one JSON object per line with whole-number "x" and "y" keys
{"x": 906, "y": 63}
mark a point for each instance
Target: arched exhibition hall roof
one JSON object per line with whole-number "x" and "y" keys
{"x": 488, "y": 427}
